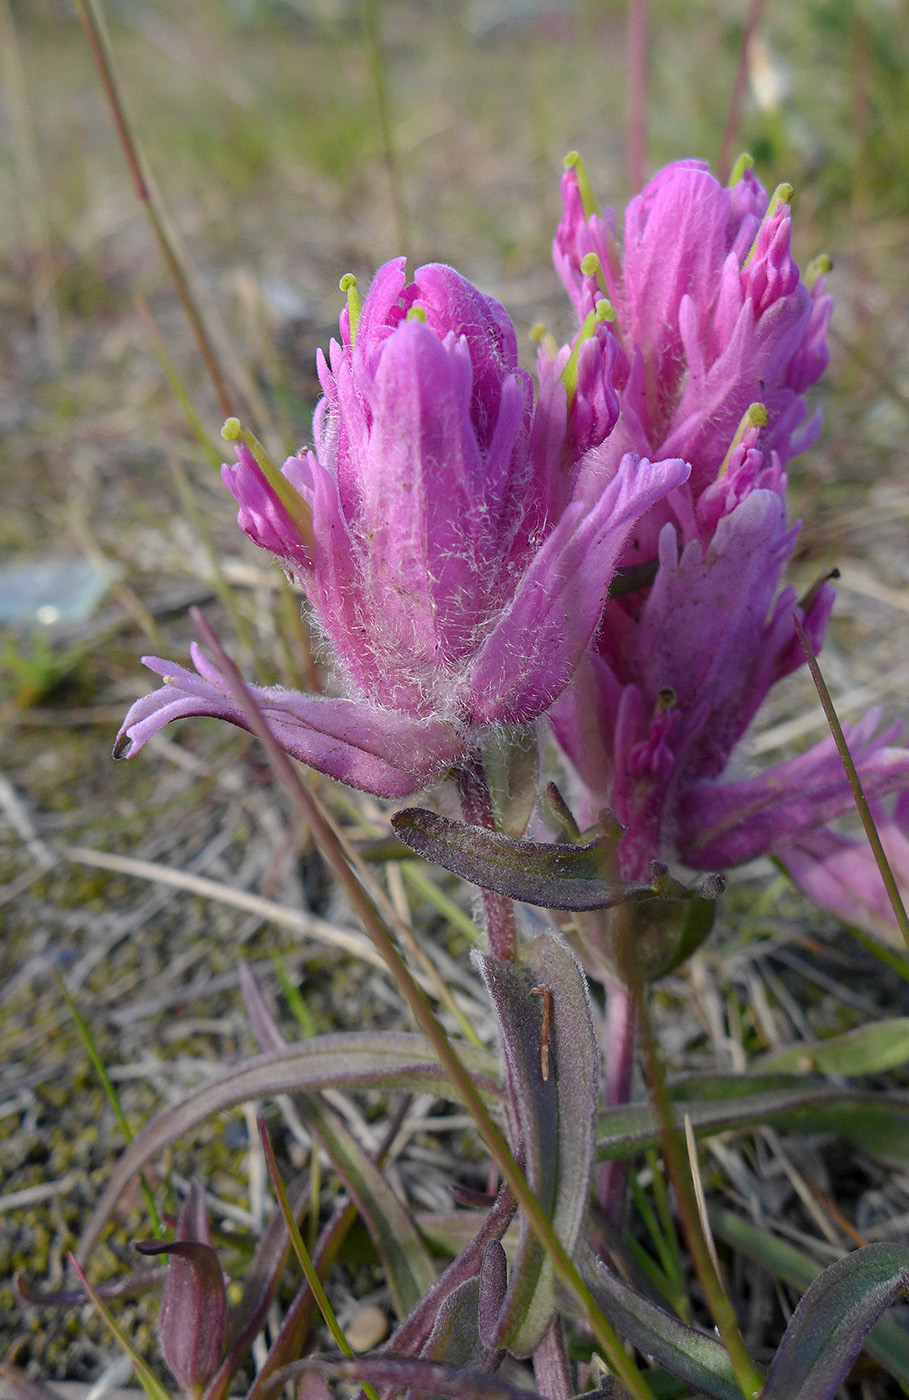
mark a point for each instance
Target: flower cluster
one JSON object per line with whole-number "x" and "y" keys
{"x": 719, "y": 337}
{"x": 608, "y": 550}
{"x": 441, "y": 532}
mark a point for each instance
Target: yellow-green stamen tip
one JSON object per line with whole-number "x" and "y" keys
{"x": 296, "y": 506}
{"x": 574, "y": 162}
{"x": 417, "y": 313}
{"x": 755, "y": 416}
{"x": 537, "y": 331}
{"x": 603, "y": 311}
{"x": 348, "y": 284}
{"x": 666, "y": 699}
{"x": 744, "y": 162}
{"x": 781, "y": 195}
{"x": 591, "y": 266}
{"x": 818, "y": 267}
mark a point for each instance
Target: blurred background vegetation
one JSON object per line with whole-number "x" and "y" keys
{"x": 293, "y": 141}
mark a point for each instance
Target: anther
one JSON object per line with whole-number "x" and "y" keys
{"x": 818, "y": 267}
{"x": 297, "y": 508}
{"x": 781, "y": 195}
{"x": 348, "y": 284}
{"x": 755, "y": 416}
{"x": 744, "y": 162}
{"x": 574, "y": 162}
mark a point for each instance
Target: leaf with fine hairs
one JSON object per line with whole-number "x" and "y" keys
{"x": 409, "y": 1270}
{"x": 551, "y": 1060}
{"x": 352, "y": 1060}
{"x": 870, "y": 1049}
{"x": 693, "y": 1356}
{"x": 409, "y": 1373}
{"x": 887, "y": 1342}
{"x": 826, "y": 1331}
{"x": 879, "y": 1122}
{"x": 547, "y": 873}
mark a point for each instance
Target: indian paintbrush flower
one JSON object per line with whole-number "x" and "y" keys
{"x": 440, "y": 531}
{"x": 711, "y": 316}
{"x": 719, "y": 337}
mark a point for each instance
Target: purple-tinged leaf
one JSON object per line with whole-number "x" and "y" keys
{"x": 887, "y": 1342}
{"x": 546, "y": 873}
{"x": 298, "y": 1316}
{"x": 409, "y": 1270}
{"x": 409, "y": 1373}
{"x": 879, "y": 1122}
{"x": 259, "y": 1288}
{"x": 414, "y": 1333}
{"x": 694, "y": 1356}
{"x": 826, "y": 1331}
{"x": 493, "y": 1282}
{"x": 353, "y": 1060}
{"x": 36, "y": 1297}
{"x": 551, "y": 1060}
{"x": 455, "y": 1336}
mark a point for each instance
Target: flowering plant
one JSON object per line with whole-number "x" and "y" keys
{"x": 493, "y": 567}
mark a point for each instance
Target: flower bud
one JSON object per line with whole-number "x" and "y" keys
{"x": 192, "y": 1324}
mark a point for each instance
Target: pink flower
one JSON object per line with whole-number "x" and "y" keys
{"x": 840, "y": 871}
{"x": 711, "y": 317}
{"x": 654, "y": 718}
{"x": 437, "y": 532}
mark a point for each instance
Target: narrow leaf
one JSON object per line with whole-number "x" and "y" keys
{"x": 409, "y": 1270}
{"x": 550, "y": 1050}
{"x": 409, "y": 1373}
{"x": 832, "y": 1320}
{"x": 408, "y": 1267}
{"x": 869, "y": 1049}
{"x": 547, "y": 873}
{"x": 877, "y": 1122}
{"x": 695, "y": 1357}
{"x": 887, "y": 1341}
{"x": 354, "y": 1060}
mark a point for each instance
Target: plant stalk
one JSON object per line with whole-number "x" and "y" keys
{"x": 332, "y": 849}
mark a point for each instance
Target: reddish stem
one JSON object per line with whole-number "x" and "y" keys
{"x": 618, "y": 1052}
{"x": 476, "y": 808}
{"x": 637, "y": 92}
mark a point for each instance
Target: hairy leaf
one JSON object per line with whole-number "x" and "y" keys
{"x": 826, "y": 1331}
{"x": 547, "y": 873}
{"x": 869, "y": 1049}
{"x": 550, "y": 1051}
{"x": 408, "y": 1267}
{"x": 409, "y": 1270}
{"x": 354, "y": 1060}
{"x": 695, "y": 1357}
{"x": 878, "y": 1122}
{"x": 887, "y": 1341}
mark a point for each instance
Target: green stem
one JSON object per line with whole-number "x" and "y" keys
{"x": 331, "y": 847}
{"x": 113, "y": 1097}
{"x": 303, "y": 1255}
{"x": 677, "y": 1165}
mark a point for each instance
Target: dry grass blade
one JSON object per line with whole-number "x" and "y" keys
{"x": 308, "y": 924}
